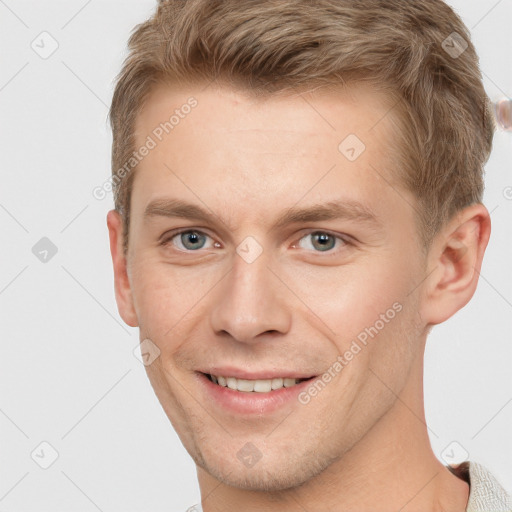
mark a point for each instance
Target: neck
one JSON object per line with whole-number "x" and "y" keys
{"x": 391, "y": 468}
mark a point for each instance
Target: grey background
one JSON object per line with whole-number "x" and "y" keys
{"x": 68, "y": 374}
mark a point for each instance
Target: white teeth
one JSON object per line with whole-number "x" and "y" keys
{"x": 231, "y": 381}
{"x": 244, "y": 385}
{"x": 258, "y": 385}
{"x": 277, "y": 383}
{"x": 263, "y": 386}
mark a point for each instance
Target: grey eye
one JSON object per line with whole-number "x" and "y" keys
{"x": 321, "y": 241}
{"x": 191, "y": 240}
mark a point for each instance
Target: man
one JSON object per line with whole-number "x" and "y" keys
{"x": 298, "y": 188}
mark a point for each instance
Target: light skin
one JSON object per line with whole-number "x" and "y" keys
{"x": 362, "y": 442}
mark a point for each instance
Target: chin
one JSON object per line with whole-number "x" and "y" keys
{"x": 270, "y": 474}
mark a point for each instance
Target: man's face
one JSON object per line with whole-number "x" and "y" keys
{"x": 240, "y": 294}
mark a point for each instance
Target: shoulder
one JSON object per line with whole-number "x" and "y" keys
{"x": 486, "y": 494}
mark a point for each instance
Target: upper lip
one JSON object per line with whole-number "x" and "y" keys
{"x": 256, "y": 374}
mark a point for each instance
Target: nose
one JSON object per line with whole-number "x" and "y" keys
{"x": 251, "y": 302}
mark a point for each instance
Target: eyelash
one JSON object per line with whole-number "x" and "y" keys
{"x": 344, "y": 239}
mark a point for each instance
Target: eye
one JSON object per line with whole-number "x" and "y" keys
{"x": 191, "y": 240}
{"x": 323, "y": 241}
{"x": 187, "y": 240}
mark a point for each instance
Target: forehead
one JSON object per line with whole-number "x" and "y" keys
{"x": 259, "y": 153}
{"x": 369, "y": 113}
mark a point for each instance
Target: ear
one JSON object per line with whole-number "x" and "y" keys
{"x": 454, "y": 260}
{"x": 122, "y": 288}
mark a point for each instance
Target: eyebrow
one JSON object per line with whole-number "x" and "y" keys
{"x": 331, "y": 210}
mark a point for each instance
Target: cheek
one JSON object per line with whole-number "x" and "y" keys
{"x": 349, "y": 299}
{"x": 166, "y": 298}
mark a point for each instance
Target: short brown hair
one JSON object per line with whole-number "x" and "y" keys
{"x": 419, "y": 52}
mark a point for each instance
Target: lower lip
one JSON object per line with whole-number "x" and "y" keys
{"x": 254, "y": 403}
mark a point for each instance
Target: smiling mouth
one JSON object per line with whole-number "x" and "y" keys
{"x": 254, "y": 386}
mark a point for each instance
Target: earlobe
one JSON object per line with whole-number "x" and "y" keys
{"x": 122, "y": 287}
{"x": 456, "y": 258}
